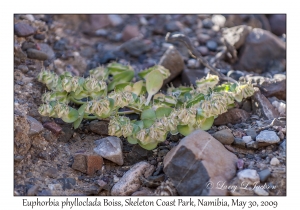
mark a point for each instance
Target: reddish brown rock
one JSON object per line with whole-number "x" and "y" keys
{"x": 198, "y": 163}
{"x": 53, "y": 127}
{"x": 80, "y": 163}
{"x": 232, "y": 116}
{"x": 94, "y": 163}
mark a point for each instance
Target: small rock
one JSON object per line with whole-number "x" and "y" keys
{"x": 251, "y": 132}
{"x": 262, "y": 106}
{"x": 162, "y": 153}
{"x": 172, "y": 26}
{"x": 98, "y": 21}
{"x": 203, "y": 38}
{"x": 224, "y": 136}
{"x": 207, "y": 23}
{"x": 36, "y": 54}
{"x": 35, "y": 126}
{"x": 203, "y": 50}
{"x": 130, "y": 181}
{"x": 39, "y": 36}
{"x": 136, "y": 46}
{"x": 239, "y": 142}
{"x": 267, "y": 137}
{"x": 280, "y": 107}
{"x": 23, "y": 29}
{"x": 247, "y": 139}
{"x": 232, "y": 116}
{"x": 129, "y": 32}
{"x": 80, "y": 163}
{"x": 99, "y": 127}
{"x": 173, "y": 61}
{"x": 66, "y": 134}
{"x": 110, "y": 148}
{"x": 240, "y": 164}
{"x": 116, "y": 179}
{"x": 273, "y": 87}
{"x": 212, "y": 45}
{"x": 274, "y": 161}
{"x": 283, "y": 145}
{"x": 264, "y": 174}
{"x": 33, "y": 190}
{"x": 193, "y": 63}
{"x": 260, "y": 191}
{"x": 53, "y": 127}
{"x": 218, "y": 20}
{"x": 51, "y": 172}
{"x": 248, "y": 175}
{"x": 23, "y": 68}
{"x": 252, "y": 145}
{"x": 94, "y": 163}
{"x": 205, "y": 152}
{"x": 189, "y": 77}
{"x": 47, "y": 49}
{"x": 115, "y": 20}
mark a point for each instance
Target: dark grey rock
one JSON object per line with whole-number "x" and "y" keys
{"x": 247, "y": 106}
{"x": 235, "y": 74}
{"x": 36, "y": 54}
{"x": 172, "y": 26}
{"x": 80, "y": 163}
{"x": 264, "y": 174}
{"x": 239, "y": 142}
{"x": 23, "y": 29}
{"x": 99, "y": 127}
{"x": 207, "y": 23}
{"x": 35, "y": 126}
{"x": 211, "y": 45}
{"x": 162, "y": 153}
{"x": 47, "y": 49}
{"x": 39, "y": 36}
{"x": 251, "y": 132}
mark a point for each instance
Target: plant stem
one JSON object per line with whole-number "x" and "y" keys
{"x": 135, "y": 109}
{"x": 76, "y": 101}
{"x": 90, "y": 117}
{"x": 127, "y": 112}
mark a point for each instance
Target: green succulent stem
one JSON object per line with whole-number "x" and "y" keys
{"x": 76, "y": 101}
{"x": 88, "y": 117}
{"x": 128, "y": 112}
{"x": 135, "y": 109}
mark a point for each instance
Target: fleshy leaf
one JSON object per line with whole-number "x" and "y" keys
{"x": 71, "y": 117}
{"x": 149, "y": 146}
{"x": 185, "y": 129}
{"x": 77, "y": 122}
{"x": 163, "y": 112}
{"x": 132, "y": 140}
{"x": 148, "y": 123}
{"x": 148, "y": 114}
{"x": 137, "y": 87}
{"x": 154, "y": 81}
{"x": 207, "y": 123}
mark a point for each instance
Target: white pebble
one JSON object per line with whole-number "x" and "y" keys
{"x": 247, "y": 139}
{"x": 116, "y": 179}
{"x": 249, "y": 175}
{"x": 274, "y": 161}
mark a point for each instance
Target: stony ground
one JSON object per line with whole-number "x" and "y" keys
{"x": 51, "y": 158}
